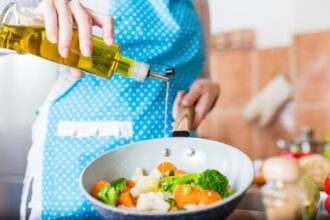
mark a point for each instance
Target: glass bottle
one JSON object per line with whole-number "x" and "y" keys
{"x": 23, "y": 32}
{"x": 284, "y": 196}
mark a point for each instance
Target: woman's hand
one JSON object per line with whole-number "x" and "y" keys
{"x": 60, "y": 17}
{"x": 202, "y": 95}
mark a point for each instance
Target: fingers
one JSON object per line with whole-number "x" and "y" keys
{"x": 192, "y": 96}
{"x": 202, "y": 107}
{"x": 177, "y": 101}
{"x": 85, "y": 27}
{"x": 107, "y": 25}
{"x": 59, "y": 17}
{"x": 49, "y": 13}
{"x": 65, "y": 22}
{"x": 202, "y": 95}
{"x": 76, "y": 73}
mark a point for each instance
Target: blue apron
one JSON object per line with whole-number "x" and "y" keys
{"x": 151, "y": 31}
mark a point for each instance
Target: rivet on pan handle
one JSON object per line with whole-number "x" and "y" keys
{"x": 166, "y": 152}
{"x": 183, "y": 121}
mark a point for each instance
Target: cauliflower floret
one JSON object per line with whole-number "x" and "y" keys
{"x": 156, "y": 174}
{"x": 137, "y": 174}
{"x": 145, "y": 184}
{"x": 152, "y": 201}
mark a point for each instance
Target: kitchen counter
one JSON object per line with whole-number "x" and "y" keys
{"x": 240, "y": 214}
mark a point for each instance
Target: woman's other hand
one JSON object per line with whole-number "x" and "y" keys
{"x": 202, "y": 95}
{"x": 60, "y": 17}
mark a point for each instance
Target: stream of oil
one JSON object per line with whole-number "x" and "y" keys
{"x": 166, "y": 107}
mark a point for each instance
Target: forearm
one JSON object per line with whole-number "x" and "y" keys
{"x": 202, "y": 7}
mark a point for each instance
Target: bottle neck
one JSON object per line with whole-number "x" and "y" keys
{"x": 137, "y": 70}
{"x": 132, "y": 69}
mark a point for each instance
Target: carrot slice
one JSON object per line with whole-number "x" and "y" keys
{"x": 165, "y": 167}
{"x": 179, "y": 172}
{"x": 184, "y": 197}
{"x": 125, "y": 198}
{"x": 134, "y": 200}
{"x": 98, "y": 186}
{"x": 208, "y": 197}
{"x": 130, "y": 184}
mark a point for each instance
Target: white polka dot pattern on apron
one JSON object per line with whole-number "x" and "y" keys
{"x": 154, "y": 31}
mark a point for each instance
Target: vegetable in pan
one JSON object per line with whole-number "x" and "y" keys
{"x": 209, "y": 179}
{"x": 109, "y": 194}
{"x": 165, "y": 189}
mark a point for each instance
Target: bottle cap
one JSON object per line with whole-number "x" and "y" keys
{"x": 140, "y": 71}
{"x": 281, "y": 168}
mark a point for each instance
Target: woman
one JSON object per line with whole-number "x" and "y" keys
{"x": 85, "y": 117}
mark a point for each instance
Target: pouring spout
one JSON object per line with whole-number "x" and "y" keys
{"x": 158, "y": 76}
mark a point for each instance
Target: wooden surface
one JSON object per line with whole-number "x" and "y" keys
{"x": 184, "y": 119}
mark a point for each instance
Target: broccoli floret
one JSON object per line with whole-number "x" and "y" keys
{"x": 213, "y": 180}
{"x": 209, "y": 179}
{"x": 109, "y": 194}
{"x": 171, "y": 202}
{"x": 119, "y": 184}
{"x": 171, "y": 172}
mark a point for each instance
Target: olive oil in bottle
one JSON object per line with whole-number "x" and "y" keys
{"x": 104, "y": 62}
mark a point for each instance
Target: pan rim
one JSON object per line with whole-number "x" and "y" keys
{"x": 127, "y": 211}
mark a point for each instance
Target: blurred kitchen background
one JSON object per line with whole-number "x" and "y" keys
{"x": 253, "y": 42}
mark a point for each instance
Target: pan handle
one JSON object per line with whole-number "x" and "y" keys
{"x": 183, "y": 122}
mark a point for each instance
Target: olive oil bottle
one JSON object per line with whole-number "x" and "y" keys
{"x": 104, "y": 61}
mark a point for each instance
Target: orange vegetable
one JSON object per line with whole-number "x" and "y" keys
{"x": 179, "y": 172}
{"x": 184, "y": 197}
{"x": 165, "y": 167}
{"x": 173, "y": 209}
{"x": 208, "y": 197}
{"x": 259, "y": 180}
{"x": 134, "y": 200}
{"x": 130, "y": 184}
{"x": 98, "y": 186}
{"x": 125, "y": 198}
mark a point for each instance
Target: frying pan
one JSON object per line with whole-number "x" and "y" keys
{"x": 190, "y": 154}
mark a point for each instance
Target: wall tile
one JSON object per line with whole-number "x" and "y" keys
{"x": 232, "y": 70}
{"x": 264, "y": 139}
{"x": 318, "y": 119}
{"x": 270, "y": 62}
{"x": 230, "y": 128}
{"x": 313, "y": 68}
